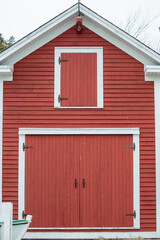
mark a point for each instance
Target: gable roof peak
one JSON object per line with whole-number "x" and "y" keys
{"x": 91, "y": 20}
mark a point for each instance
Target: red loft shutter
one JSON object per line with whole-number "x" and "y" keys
{"x": 79, "y": 79}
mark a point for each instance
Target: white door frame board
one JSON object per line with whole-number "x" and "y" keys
{"x": 77, "y": 131}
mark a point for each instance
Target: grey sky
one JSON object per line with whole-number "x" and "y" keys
{"x": 20, "y": 17}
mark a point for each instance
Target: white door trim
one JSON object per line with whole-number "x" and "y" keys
{"x": 89, "y": 235}
{"x": 66, "y": 131}
{"x": 71, "y": 131}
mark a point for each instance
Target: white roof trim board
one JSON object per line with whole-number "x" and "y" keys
{"x": 93, "y": 21}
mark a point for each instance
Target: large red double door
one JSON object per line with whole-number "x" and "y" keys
{"x": 79, "y": 180}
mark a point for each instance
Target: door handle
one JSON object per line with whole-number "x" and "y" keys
{"x": 84, "y": 183}
{"x": 75, "y": 182}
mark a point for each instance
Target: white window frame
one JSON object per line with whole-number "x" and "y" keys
{"x": 80, "y": 131}
{"x": 57, "y": 75}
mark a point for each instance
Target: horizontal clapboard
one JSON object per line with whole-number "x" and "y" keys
{"x": 128, "y": 103}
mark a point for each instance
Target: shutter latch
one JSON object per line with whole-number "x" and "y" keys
{"x": 133, "y": 146}
{"x": 24, "y": 147}
{"x": 62, "y": 60}
{"x": 61, "y": 99}
{"x": 132, "y": 214}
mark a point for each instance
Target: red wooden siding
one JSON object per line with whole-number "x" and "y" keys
{"x": 79, "y": 79}
{"x": 128, "y": 102}
{"x": 53, "y": 164}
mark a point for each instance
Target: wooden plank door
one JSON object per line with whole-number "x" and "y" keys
{"x": 103, "y": 167}
{"x": 51, "y": 167}
{"x": 107, "y": 167}
{"x": 79, "y": 79}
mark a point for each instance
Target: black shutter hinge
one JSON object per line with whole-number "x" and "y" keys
{"x": 24, "y": 147}
{"x": 133, "y": 146}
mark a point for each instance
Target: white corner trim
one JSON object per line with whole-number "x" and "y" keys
{"x": 71, "y": 131}
{"x": 57, "y": 85}
{"x": 1, "y": 140}
{"x": 157, "y": 147}
{"x": 152, "y": 73}
{"x": 6, "y": 73}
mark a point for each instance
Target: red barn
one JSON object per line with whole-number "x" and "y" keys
{"x": 80, "y": 120}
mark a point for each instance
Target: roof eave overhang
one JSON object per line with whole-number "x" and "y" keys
{"x": 120, "y": 38}
{"x": 39, "y": 37}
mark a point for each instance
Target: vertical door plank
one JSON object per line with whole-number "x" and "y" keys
{"x": 107, "y": 166}
{"x": 51, "y": 167}
{"x": 79, "y": 79}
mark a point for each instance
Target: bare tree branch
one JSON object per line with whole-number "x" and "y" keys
{"x": 139, "y": 26}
